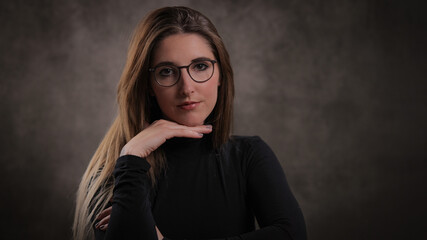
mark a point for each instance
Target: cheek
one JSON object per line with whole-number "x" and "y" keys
{"x": 163, "y": 97}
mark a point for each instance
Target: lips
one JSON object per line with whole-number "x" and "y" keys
{"x": 189, "y": 105}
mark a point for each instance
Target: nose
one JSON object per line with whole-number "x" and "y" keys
{"x": 185, "y": 83}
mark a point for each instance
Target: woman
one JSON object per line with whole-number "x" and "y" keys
{"x": 168, "y": 166}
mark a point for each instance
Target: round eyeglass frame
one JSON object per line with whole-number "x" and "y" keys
{"x": 188, "y": 71}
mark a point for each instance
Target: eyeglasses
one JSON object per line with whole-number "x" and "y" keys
{"x": 167, "y": 75}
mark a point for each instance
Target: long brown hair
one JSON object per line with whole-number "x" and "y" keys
{"x": 137, "y": 107}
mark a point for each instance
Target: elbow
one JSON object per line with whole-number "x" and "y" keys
{"x": 291, "y": 229}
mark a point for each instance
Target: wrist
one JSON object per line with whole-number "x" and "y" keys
{"x": 127, "y": 151}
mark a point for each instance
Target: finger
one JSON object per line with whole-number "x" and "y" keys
{"x": 186, "y": 133}
{"x": 159, "y": 234}
{"x": 103, "y": 227}
{"x": 171, "y": 129}
{"x": 104, "y": 213}
{"x": 191, "y": 132}
{"x": 105, "y": 220}
{"x": 201, "y": 129}
{"x": 205, "y": 128}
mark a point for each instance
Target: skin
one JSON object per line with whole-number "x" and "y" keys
{"x": 180, "y": 49}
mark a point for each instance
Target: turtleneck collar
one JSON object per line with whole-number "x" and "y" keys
{"x": 188, "y": 143}
{"x": 187, "y": 149}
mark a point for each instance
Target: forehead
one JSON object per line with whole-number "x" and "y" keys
{"x": 181, "y": 49}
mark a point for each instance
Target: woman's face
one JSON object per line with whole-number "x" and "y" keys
{"x": 187, "y": 102}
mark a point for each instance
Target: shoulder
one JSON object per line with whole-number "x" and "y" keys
{"x": 249, "y": 150}
{"x": 257, "y": 160}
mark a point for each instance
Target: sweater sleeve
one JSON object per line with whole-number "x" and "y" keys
{"x": 276, "y": 209}
{"x": 131, "y": 216}
{"x": 270, "y": 197}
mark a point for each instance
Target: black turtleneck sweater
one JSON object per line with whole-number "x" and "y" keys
{"x": 205, "y": 194}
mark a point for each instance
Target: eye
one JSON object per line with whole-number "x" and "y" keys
{"x": 166, "y": 71}
{"x": 201, "y": 66}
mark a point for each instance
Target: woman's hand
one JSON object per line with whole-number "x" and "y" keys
{"x": 104, "y": 218}
{"x": 146, "y": 142}
{"x": 157, "y": 133}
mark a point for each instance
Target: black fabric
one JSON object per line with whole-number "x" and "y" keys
{"x": 206, "y": 193}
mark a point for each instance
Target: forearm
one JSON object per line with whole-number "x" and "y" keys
{"x": 131, "y": 216}
{"x": 275, "y": 207}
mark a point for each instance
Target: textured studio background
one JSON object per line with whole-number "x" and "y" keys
{"x": 337, "y": 89}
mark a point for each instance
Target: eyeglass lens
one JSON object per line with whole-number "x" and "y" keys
{"x": 199, "y": 71}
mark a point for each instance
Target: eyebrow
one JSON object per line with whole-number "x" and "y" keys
{"x": 192, "y": 61}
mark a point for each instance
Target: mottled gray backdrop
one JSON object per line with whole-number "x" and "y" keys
{"x": 337, "y": 88}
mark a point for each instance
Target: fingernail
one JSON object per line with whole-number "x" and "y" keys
{"x": 96, "y": 225}
{"x": 209, "y": 126}
{"x": 201, "y": 134}
{"x": 102, "y": 227}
